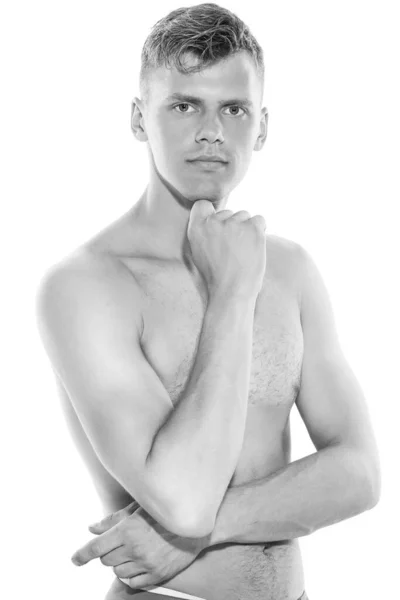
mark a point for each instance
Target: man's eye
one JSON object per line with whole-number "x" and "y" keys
{"x": 236, "y": 107}
{"x": 182, "y": 104}
{"x": 229, "y": 107}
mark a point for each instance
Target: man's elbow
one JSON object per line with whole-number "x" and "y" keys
{"x": 375, "y": 489}
{"x": 187, "y": 524}
{"x": 370, "y": 484}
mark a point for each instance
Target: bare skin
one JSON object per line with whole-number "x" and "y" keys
{"x": 295, "y": 358}
{"x": 174, "y": 301}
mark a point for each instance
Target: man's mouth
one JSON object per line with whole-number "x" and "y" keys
{"x": 214, "y": 165}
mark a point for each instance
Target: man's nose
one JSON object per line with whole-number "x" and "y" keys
{"x": 210, "y": 130}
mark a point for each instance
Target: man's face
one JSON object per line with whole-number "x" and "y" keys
{"x": 180, "y": 128}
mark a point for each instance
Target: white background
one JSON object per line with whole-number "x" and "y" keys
{"x": 326, "y": 178}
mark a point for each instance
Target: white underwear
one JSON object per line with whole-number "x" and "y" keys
{"x": 166, "y": 591}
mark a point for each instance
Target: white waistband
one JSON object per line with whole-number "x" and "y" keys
{"x": 166, "y": 591}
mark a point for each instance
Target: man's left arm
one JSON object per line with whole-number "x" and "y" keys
{"x": 341, "y": 479}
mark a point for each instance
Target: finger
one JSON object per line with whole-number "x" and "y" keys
{"x": 113, "y": 518}
{"x": 259, "y": 221}
{"x": 129, "y": 569}
{"x": 141, "y": 581}
{"x": 222, "y": 215}
{"x": 117, "y": 556}
{"x": 106, "y": 542}
{"x": 241, "y": 215}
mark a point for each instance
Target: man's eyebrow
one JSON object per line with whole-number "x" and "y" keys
{"x": 196, "y": 100}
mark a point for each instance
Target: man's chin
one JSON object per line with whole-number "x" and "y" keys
{"x": 211, "y": 196}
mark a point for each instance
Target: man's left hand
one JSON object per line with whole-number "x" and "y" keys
{"x": 139, "y": 548}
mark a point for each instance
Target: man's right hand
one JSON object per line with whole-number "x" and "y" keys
{"x": 140, "y": 550}
{"x": 229, "y": 249}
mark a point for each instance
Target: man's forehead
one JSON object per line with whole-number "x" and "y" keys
{"x": 235, "y": 75}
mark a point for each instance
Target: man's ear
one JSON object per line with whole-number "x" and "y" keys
{"x": 137, "y": 121}
{"x": 262, "y": 136}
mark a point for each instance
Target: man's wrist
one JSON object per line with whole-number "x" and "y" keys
{"x": 223, "y": 528}
{"x": 203, "y": 543}
{"x": 212, "y": 539}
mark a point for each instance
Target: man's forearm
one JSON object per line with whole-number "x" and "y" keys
{"x": 318, "y": 490}
{"x": 195, "y": 452}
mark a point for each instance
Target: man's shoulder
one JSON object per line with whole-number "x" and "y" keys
{"x": 82, "y": 263}
{"x": 86, "y": 274}
{"x": 283, "y": 245}
{"x": 286, "y": 261}
{"x": 283, "y": 255}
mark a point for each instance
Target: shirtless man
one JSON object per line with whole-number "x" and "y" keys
{"x": 182, "y": 335}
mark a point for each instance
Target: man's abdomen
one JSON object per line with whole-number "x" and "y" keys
{"x": 244, "y": 572}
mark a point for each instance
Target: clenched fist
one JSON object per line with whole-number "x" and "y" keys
{"x": 229, "y": 249}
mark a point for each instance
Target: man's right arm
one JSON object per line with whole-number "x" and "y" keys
{"x": 176, "y": 462}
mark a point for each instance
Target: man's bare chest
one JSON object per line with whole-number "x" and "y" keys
{"x": 174, "y": 306}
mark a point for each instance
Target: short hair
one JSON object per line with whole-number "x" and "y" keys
{"x": 208, "y": 31}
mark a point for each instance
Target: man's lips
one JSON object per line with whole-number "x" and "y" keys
{"x": 208, "y": 158}
{"x": 209, "y": 162}
{"x": 209, "y": 165}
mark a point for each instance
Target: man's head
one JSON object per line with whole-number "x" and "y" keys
{"x": 201, "y": 82}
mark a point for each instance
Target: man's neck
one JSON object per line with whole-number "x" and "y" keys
{"x": 163, "y": 217}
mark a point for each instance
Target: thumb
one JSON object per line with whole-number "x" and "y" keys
{"x": 201, "y": 209}
{"x": 113, "y": 518}
{"x": 105, "y": 524}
